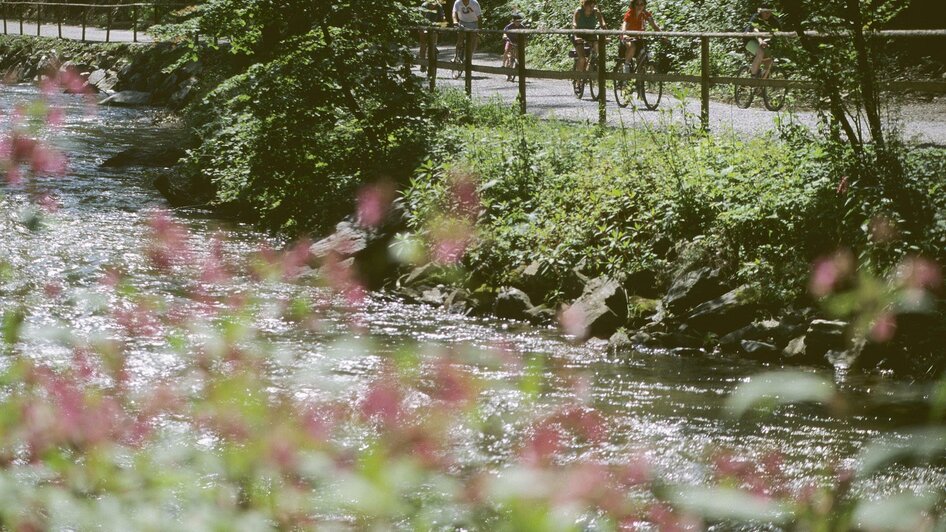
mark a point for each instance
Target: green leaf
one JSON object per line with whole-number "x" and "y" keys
{"x": 904, "y": 511}
{"x": 729, "y": 504}
{"x": 920, "y": 446}
{"x": 779, "y": 388}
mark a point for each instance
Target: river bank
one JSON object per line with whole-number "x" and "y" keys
{"x": 657, "y": 238}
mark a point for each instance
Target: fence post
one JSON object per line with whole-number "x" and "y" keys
{"x": 39, "y": 18}
{"x": 602, "y": 71}
{"x": 704, "y": 82}
{"x": 85, "y": 12}
{"x": 4, "y": 17}
{"x": 468, "y": 62}
{"x": 21, "y": 19}
{"x": 108, "y": 24}
{"x": 134, "y": 23}
{"x": 521, "y": 68}
{"x": 432, "y": 58}
{"x": 59, "y": 20}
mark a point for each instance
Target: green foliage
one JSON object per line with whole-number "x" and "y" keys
{"x": 621, "y": 201}
{"x": 324, "y": 107}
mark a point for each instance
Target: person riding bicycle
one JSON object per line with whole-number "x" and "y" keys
{"x": 433, "y": 12}
{"x": 509, "y": 43}
{"x": 763, "y": 21}
{"x": 587, "y": 17}
{"x": 466, "y": 15}
{"x": 634, "y": 20}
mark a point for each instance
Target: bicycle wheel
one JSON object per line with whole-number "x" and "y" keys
{"x": 774, "y": 97}
{"x": 650, "y": 91}
{"x": 743, "y": 94}
{"x": 623, "y": 90}
{"x": 578, "y": 85}
{"x": 592, "y": 83}
{"x": 457, "y": 65}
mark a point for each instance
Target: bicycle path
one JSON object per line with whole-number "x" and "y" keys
{"x": 922, "y": 123}
{"x": 72, "y": 32}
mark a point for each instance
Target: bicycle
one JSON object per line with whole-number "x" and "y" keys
{"x": 459, "y": 57}
{"x": 772, "y": 97}
{"x": 591, "y": 65}
{"x": 649, "y": 91}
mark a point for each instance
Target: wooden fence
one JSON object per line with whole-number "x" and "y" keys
{"x": 56, "y": 12}
{"x": 603, "y": 74}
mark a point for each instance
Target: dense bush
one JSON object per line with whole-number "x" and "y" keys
{"x": 622, "y": 201}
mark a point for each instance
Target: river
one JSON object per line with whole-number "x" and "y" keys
{"x": 664, "y": 406}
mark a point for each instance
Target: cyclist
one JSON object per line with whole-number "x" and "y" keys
{"x": 587, "y": 17}
{"x": 509, "y": 44}
{"x": 466, "y": 15}
{"x": 762, "y": 21}
{"x": 433, "y": 12}
{"x": 634, "y": 20}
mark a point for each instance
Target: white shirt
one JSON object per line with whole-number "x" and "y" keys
{"x": 467, "y": 13}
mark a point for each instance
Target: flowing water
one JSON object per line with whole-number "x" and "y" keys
{"x": 666, "y": 407}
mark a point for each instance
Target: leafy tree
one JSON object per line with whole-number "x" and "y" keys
{"x": 324, "y": 105}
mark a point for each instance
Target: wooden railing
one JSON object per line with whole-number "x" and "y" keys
{"x": 706, "y": 79}
{"x": 56, "y": 12}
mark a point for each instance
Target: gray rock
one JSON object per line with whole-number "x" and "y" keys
{"x": 641, "y": 337}
{"x": 540, "y": 314}
{"x": 604, "y": 302}
{"x": 96, "y": 77}
{"x": 619, "y": 341}
{"x": 726, "y": 313}
{"x": 795, "y": 350}
{"x": 512, "y": 303}
{"x": 692, "y": 287}
{"x": 823, "y": 336}
{"x": 346, "y": 240}
{"x": 128, "y": 99}
{"x": 759, "y": 350}
{"x": 183, "y": 93}
{"x": 167, "y": 87}
{"x": 433, "y": 296}
{"x": 687, "y": 351}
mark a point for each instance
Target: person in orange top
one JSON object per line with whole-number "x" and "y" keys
{"x": 634, "y": 20}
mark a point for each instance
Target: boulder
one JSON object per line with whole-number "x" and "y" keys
{"x": 693, "y": 287}
{"x": 540, "y": 314}
{"x": 604, "y": 302}
{"x": 823, "y": 336}
{"x": 347, "y": 239}
{"x": 96, "y": 77}
{"x": 760, "y": 350}
{"x": 181, "y": 191}
{"x": 434, "y": 296}
{"x": 183, "y": 93}
{"x": 642, "y": 283}
{"x": 726, "y": 313}
{"x": 512, "y": 303}
{"x": 795, "y": 350}
{"x": 128, "y": 99}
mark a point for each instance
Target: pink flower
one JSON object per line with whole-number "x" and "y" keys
{"x": 883, "y": 328}
{"x": 920, "y": 273}
{"x": 574, "y": 321}
{"x": 829, "y": 272}
{"x": 374, "y": 202}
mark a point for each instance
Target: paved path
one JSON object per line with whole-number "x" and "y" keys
{"x": 923, "y": 123}
{"x": 72, "y": 32}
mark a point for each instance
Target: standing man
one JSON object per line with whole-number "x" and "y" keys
{"x": 433, "y": 12}
{"x": 466, "y": 15}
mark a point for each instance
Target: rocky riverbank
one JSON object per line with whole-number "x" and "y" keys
{"x": 117, "y": 74}
{"x": 699, "y": 313}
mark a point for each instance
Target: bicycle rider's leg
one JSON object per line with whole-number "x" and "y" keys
{"x": 631, "y": 52}
{"x": 755, "y": 48}
{"x": 767, "y": 66}
{"x": 579, "y": 44}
